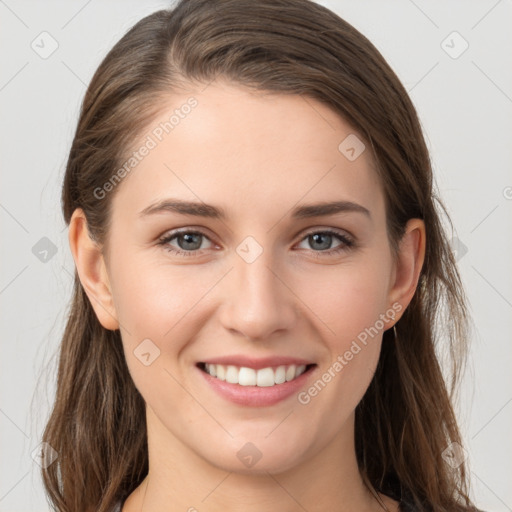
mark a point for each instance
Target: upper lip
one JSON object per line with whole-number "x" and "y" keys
{"x": 257, "y": 363}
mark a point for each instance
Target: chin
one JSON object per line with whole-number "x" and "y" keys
{"x": 257, "y": 458}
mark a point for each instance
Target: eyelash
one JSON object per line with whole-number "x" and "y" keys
{"x": 347, "y": 243}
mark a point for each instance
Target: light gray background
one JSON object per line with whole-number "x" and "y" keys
{"x": 465, "y": 104}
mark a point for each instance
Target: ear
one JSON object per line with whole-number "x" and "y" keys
{"x": 92, "y": 271}
{"x": 408, "y": 264}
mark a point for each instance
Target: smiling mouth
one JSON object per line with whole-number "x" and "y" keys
{"x": 263, "y": 377}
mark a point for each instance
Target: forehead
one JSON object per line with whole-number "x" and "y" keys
{"x": 248, "y": 151}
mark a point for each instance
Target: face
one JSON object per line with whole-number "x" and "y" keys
{"x": 247, "y": 244}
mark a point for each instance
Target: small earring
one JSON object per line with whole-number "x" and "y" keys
{"x": 394, "y": 332}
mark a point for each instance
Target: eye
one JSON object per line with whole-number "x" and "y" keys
{"x": 322, "y": 241}
{"x": 185, "y": 242}
{"x": 190, "y": 242}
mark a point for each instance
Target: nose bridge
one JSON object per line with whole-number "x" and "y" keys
{"x": 258, "y": 303}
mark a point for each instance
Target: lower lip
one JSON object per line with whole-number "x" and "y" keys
{"x": 255, "y": 396}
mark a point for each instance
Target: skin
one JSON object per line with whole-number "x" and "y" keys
{"x": 257, "y": 156}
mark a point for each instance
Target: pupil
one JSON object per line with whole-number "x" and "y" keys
{"x": 191, "y": 241}
{"x": 322, "y": 239}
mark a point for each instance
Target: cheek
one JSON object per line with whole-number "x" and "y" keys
{"x": 351, "y": 310}
{"x": 155, "y": 308}
{"x": 346, "y": 299}
{"x": 157, "y": 300}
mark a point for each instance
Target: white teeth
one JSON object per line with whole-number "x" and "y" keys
{"x": 264, "y": 377}
{"x": 211, "y": 369}
{"x": 232, "y": 375}
{"x": 220, "y": 371}
{"x": 280, "y": 375}
{"x": 246, "y": 377}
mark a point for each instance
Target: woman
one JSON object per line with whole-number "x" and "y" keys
{"x": 261, "y": 280}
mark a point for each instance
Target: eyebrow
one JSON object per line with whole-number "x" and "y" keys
{"x": 200, "y": 209}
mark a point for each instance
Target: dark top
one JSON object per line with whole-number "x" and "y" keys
{"x": 405, "y": 503}
{"x": 405, "y": 506}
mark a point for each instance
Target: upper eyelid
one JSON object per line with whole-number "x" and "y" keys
{"x": 168, "y": 236}
{"x": 178, "y": 231}
{"x": 336, "y": 231}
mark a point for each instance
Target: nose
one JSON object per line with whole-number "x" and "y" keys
{"x": 258, "y": 301}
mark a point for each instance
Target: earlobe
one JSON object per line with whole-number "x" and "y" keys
{"x": 408, "y": 264}
{"x": 92, "y": 271}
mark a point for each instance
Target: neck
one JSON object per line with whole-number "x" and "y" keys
{"x": 180, "y": 480}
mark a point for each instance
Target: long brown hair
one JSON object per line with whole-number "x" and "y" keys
{"x": 405, "y": 421}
